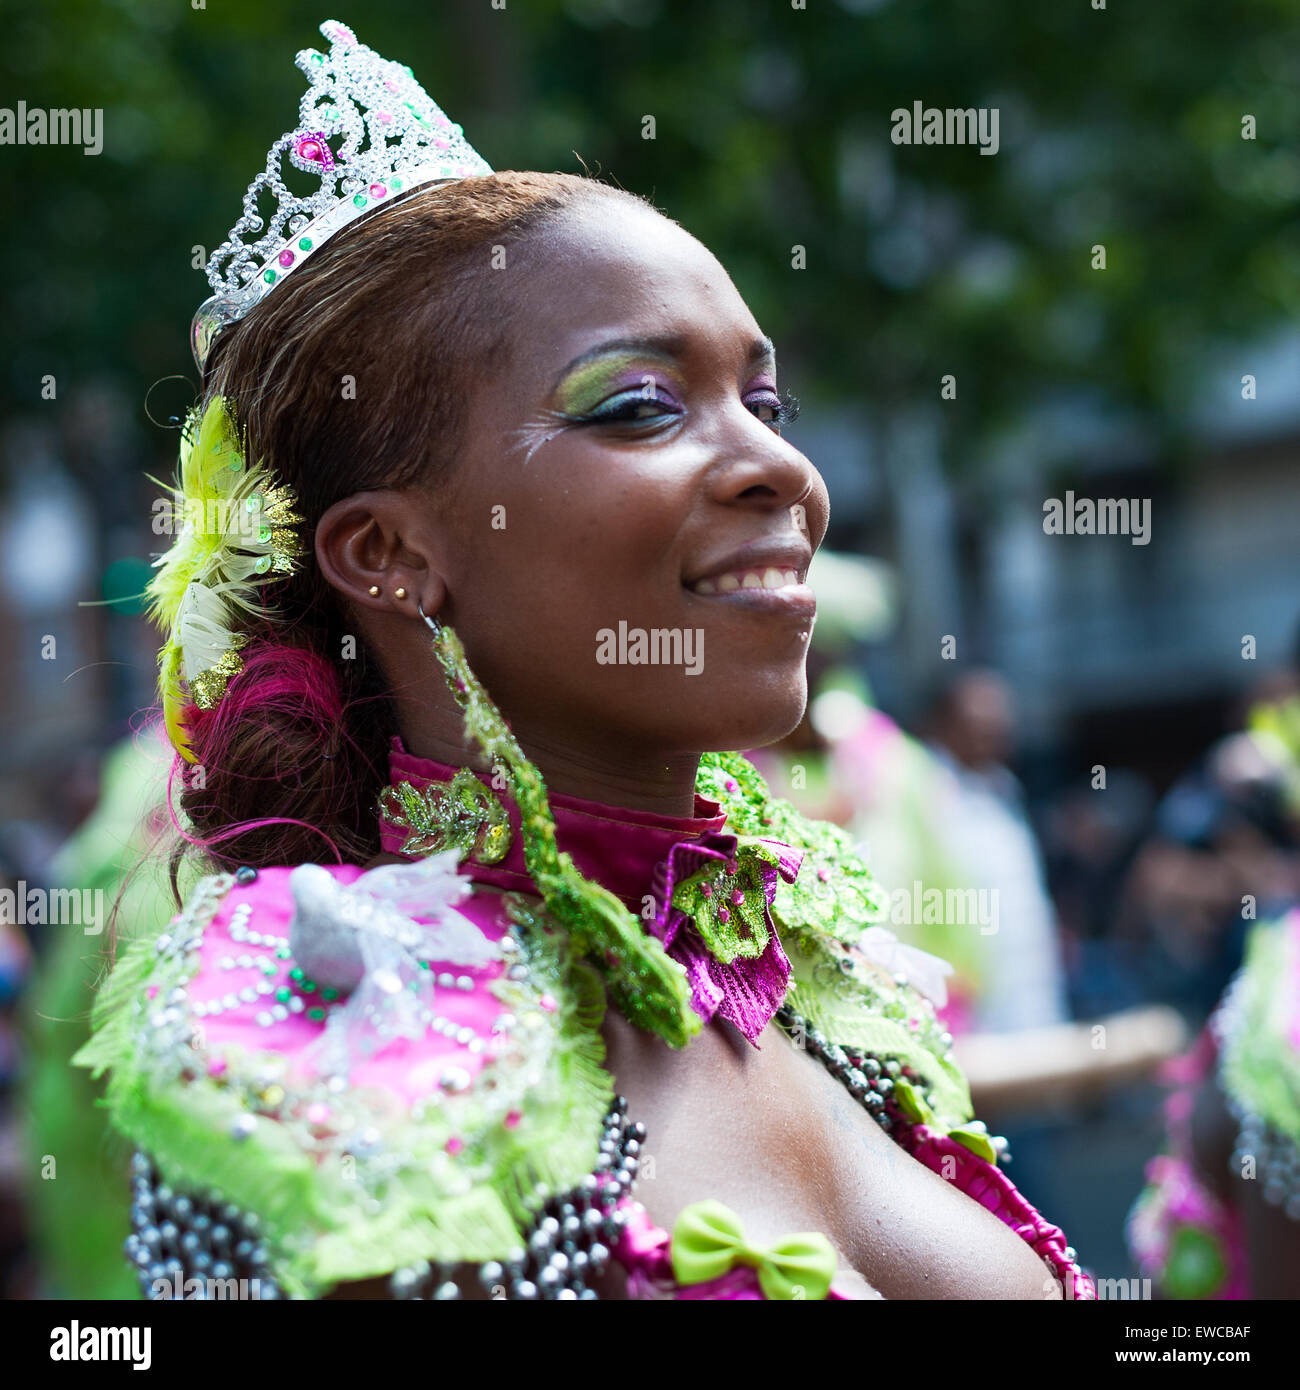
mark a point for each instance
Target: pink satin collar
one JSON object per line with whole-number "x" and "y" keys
{"x": 616, "y": 847}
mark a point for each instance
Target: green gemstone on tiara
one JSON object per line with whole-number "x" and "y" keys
{"x": 269, "y": 276}
{"x": 304, "y": 243}
{"x": 394, "y": 184}
{"x": 360, "y": 200}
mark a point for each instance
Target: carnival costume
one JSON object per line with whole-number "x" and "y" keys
{"x": 332, "y": 1074}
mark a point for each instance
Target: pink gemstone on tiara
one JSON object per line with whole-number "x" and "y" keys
{"x": 352, "y": 88}
{"x": 286, "y": 259}
{"x": 314, "y": 149}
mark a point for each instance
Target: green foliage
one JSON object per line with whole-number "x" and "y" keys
{"x": 1120, "y": 127}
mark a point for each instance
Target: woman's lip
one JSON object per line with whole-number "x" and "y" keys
{"x": 793, "y": 600}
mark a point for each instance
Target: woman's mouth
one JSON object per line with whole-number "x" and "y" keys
{"x": 769, "y": 592}
{"x": 733, "y": 580}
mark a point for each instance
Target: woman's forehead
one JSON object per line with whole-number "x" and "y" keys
{"x": 631, "y": 276}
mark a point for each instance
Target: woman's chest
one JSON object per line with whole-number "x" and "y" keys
{"x": 772, "y": 1135}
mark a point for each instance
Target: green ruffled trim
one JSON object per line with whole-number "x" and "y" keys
{"x": 1258, "y": 1065}
{"x": 322, "y": 1227}
{"x": 833, "y": 900}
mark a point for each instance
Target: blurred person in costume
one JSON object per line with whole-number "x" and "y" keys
{"x": 1219, "y": 1218}
{"x": 80, "y": 1218}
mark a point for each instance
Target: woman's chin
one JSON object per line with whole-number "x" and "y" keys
{"x": 753, "y": 727}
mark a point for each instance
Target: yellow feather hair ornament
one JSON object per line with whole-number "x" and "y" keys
{"x": 236, "y": 534}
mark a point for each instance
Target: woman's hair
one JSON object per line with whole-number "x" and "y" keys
{"x": 352, "y": 375}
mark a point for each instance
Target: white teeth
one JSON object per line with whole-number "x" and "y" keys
{"x": 772, "y": 578}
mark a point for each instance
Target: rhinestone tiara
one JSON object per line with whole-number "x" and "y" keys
{"x": 367, "y": 130}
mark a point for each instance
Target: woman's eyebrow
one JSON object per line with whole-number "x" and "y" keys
{"x": 666, "y": 345}
{"x": 670, "y": 346}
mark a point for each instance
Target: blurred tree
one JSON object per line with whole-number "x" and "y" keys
{"x": 1119, "y": 127}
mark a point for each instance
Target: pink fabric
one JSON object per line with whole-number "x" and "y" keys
{"x": 406, "y": 1069}
{"x": 747, "y": 993}
{"x": 617, "y": 847}
{"x": 993, "y": 1190}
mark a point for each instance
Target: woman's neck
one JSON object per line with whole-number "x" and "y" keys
{"x": 625, "y": 775}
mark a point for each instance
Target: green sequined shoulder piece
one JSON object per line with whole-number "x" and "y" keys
{"x": 821, "y": 918}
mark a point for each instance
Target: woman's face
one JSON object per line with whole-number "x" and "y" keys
{"x": 628, "y": 533}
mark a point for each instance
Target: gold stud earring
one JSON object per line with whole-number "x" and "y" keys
{"x": 375, "y": 591}
{"x": 399, "y": 593}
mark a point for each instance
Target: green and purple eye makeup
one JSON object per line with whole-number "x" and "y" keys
{"x": 615, "y": 377}
{"x": 632, "y": 382}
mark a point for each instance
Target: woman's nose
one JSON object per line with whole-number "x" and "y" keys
{"x": 769, "y": 472}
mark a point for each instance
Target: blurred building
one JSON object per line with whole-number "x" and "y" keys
{"x": 1121, "y": 654}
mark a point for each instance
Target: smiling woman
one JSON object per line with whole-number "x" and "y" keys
{"x": 554, "y": 949}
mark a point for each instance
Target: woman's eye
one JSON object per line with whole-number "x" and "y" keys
{"x": 631, "y": 407}
{"x": 773, "y": 410}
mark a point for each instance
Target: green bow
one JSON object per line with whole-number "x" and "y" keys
{"x": 708, "y": 1240}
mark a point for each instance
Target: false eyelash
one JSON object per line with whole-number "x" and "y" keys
{"x": 788, "y": 411}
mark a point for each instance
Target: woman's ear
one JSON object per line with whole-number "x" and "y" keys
{"x": 380, "y": 553}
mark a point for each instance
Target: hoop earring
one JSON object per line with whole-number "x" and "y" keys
{"x": 433, "y": 624}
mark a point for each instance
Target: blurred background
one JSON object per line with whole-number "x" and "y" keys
{"x": 1120, "y": 710}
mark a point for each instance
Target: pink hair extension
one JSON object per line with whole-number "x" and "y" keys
{"x": 280, "y": 688}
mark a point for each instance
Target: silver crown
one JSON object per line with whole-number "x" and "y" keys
{"x": 367, "y": 130}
